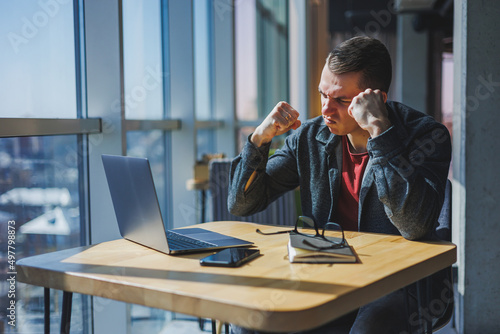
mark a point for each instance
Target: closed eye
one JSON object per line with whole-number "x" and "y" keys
{"x": 343, "y": 101}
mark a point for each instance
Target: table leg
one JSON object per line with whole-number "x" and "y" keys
{"x": 203, "y": 209}
{"x": 422, "y": 303}
{"x": 428, "y": 285}
{"x": 66, "y": 312}
{"x": 201, "y": 323}
{"x": 407, "y": 307}
{"x": 214, "y": 327}
{"x": 46, "y": 310}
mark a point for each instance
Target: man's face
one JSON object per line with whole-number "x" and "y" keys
{"x": 337, "y": 92}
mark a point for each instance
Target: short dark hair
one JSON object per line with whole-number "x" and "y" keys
{"x": 363, "y": 54}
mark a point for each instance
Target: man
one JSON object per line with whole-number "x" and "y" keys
{"x": 366, "y": 163}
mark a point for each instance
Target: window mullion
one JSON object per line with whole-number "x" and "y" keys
{"x": 22, "y": 127}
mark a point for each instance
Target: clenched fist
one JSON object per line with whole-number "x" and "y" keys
{"x": 280, "y": 120}
{"x": 369, "y": 111}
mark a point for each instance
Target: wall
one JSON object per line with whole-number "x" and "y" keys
{"x": 476, "y": 158}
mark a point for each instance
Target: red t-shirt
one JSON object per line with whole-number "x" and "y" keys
{"x": 353, "y": 168}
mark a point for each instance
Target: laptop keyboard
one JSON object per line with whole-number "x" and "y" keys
{"x": 179, "y": 241}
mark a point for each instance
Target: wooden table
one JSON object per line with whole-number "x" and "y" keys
{"x": 268, "y": 293}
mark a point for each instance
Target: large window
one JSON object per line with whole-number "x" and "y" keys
{"x": 143, "y": 78}
{"x": 42, "y": 187}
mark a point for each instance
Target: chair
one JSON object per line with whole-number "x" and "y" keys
{"x": 441, "y": 232}
{"x": 281, "y": 212}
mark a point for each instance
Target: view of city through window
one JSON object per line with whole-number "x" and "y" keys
{"x": 39, "y": 213}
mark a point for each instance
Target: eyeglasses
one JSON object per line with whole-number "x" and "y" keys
{"x": 305, "y": 223}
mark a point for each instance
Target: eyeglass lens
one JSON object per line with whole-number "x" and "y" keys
{"x": 333, "y": 232}
{"x": 305, "y": 225}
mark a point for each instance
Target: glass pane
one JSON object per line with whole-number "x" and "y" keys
{"x": 447, "y": 91}
{"x": 243, "y": 134}
{"x": 246, "y": 131}
{"x": 272, "y": 54}
{"x": 205, "y": 143}
{"x": 151, "y": 145}
{"x": 39, "y": 213}
{"x": 143, "y": 68}
{"x": 37, "y": 60}
{"x": 447, "y": 96}
{"x": 261, "y": 51}
{"x": 245, "y": 42}
{"x": 203, "y": 64}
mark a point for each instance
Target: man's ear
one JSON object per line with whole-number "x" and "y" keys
{"x": 384, "y": 94}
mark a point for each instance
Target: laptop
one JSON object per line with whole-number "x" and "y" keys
{"x": 138, "y": 213}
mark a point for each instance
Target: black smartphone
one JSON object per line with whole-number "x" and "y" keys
{"x": 230, "y": 257}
